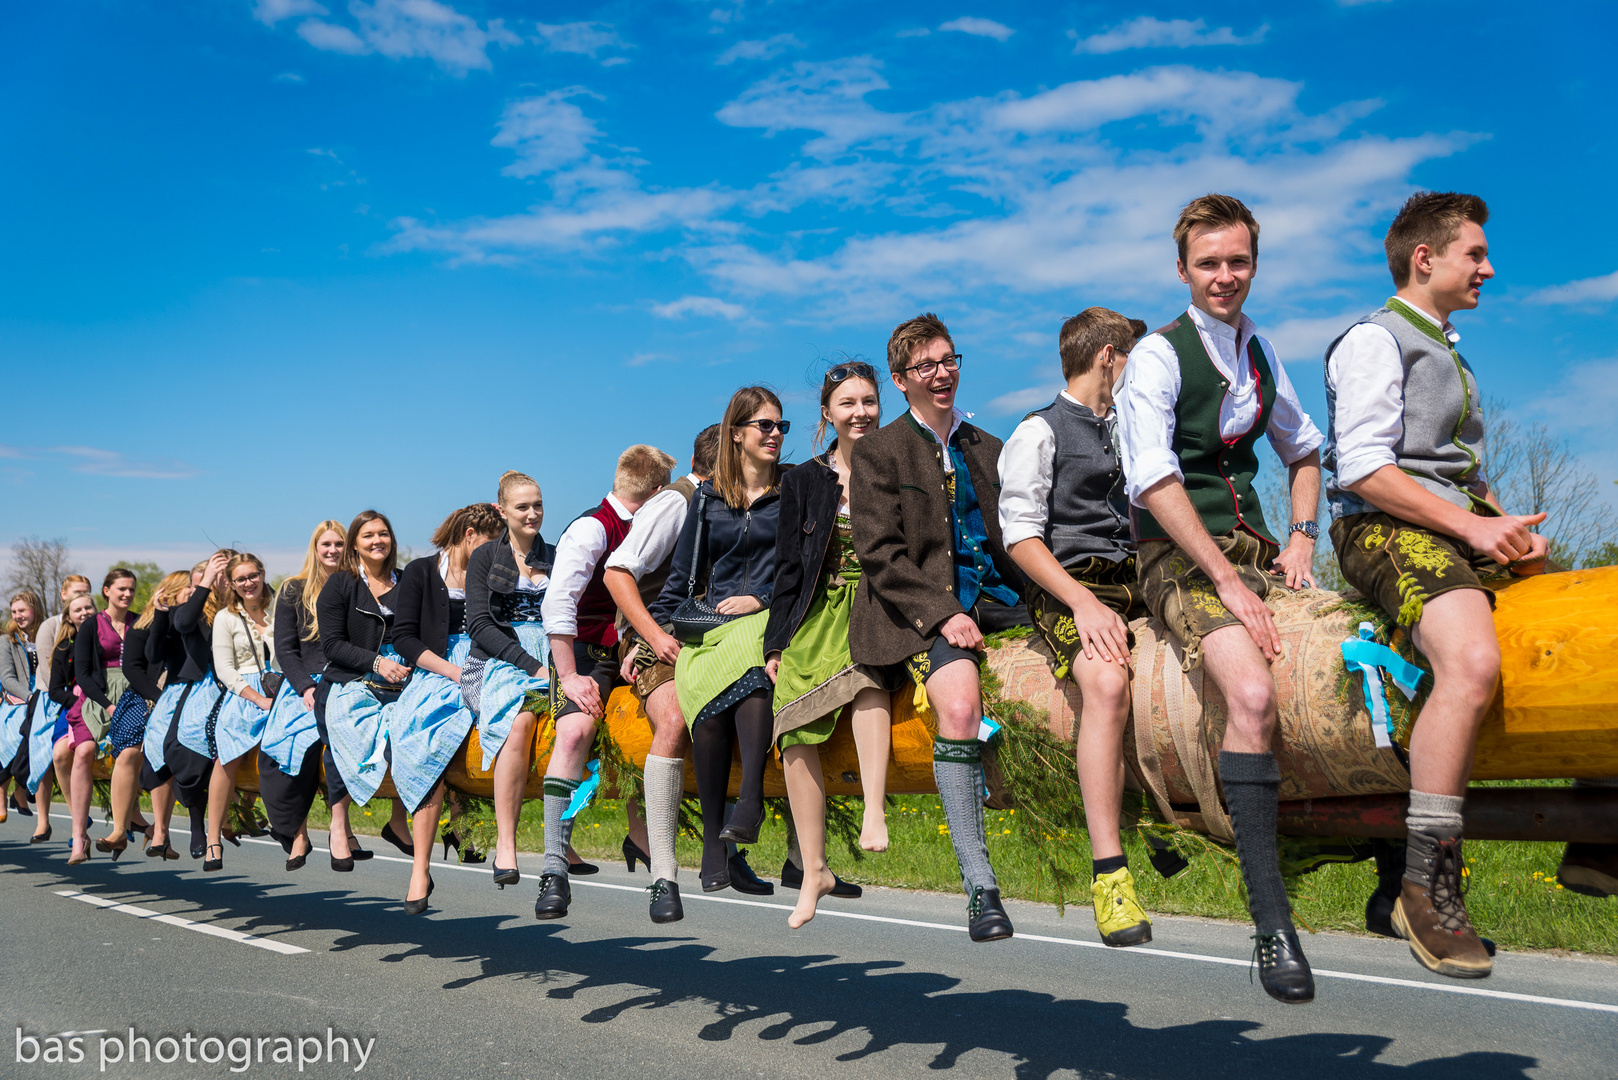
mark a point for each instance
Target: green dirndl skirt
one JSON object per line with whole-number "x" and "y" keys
{"x": 727, "y": 666}
{"x": 817, "y": 677}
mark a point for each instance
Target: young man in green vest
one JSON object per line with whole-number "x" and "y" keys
{"x": 1416, "y": 527}
{"x": 1194, "y": 400}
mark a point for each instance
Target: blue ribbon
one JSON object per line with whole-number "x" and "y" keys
{"x": 1372, "y": 658}
{"x": 585, "y": 791}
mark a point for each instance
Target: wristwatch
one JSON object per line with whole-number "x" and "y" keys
{"x": 1308, "y": 528}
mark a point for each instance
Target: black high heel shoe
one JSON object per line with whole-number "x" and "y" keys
{"x": 416, "y": 907}
{"x": 20, "y": 808}
{"x": 468, "y": 853}
{"x": 393, "y": 838}
{"x": 582, "y": 869}
{"x": 633, "y": 852}
{"x": 165, "y": 852}
{"x": 357, "y": 853}
{"x": 344, "y": 866}
{"x": 41, "y": 837}
{"x": 504, "y": 877}
{"x": 792, "y": 878}
{"x": 210, "y": 865}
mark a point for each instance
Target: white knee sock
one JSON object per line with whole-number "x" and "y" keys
{"x": 664, "y": 785}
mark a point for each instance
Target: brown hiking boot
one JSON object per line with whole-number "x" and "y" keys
{"x": 1590, "y": 869}
{"x": 1432, "y": 916}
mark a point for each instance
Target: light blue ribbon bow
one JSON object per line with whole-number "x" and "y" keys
{"x": 585, "y": 791}
{"x": 1373, "y": 658}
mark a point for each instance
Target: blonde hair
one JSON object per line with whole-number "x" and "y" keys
{"x": 641, "y": 471}
{"x": 510, "y": 479}
{"x": 1215, "y": 211}
{"x": 313, "y": 574}
{"x": 727, "y": 478}
{"x": 74, "y": 579}
{"x": 11, "y": 629}
{"x": 221, "y": 594}
{"x": 167, "y": 593}
{"x": 67, "y": 631}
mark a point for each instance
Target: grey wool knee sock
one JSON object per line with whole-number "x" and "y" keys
{"x": 1252, "y": 784}
{"x": 1430, "y": 818}
{"x": 558, "y": 793}
{"x": 664, "y": 784}
{"x": 958, "y": 770}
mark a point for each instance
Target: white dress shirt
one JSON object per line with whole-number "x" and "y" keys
{"x": 1367, "y": 374}
{"x": 957, "y": 418}
{"x": 581, "y": 547}
{"x": 1027, "y": 464}
{"x": 654, "y": 532}
{"x": 1147, "y": 394}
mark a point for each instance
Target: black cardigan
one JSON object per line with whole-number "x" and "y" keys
{"x": 61, "y": 688}
{"x": 491, "y": 571}
{"x": 352, "y": 627}
{"x": 195, "y": 636}
{"x": 165, "y": 655}
{"x": 808, "y": 524}
{"x": 138, "y": 668}
{"x": 740, "y": 553}
{"x": 90, "y": 664}
{"x": 421, "y": 615}
{"x": 299, "y": 657}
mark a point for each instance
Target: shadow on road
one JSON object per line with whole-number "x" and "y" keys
{"x": 807, "y": 999}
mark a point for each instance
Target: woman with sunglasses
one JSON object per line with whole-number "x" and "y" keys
{"x": 504, "y": 679}
{"x": 243, "y": 656}
{"x": 19, "y": 659}
{"x": 289, "y": 753}
{"x": 806, "y": 642}
{"x": 362, "y": 674}
{"x": 728, "y": 583}
{"x": 430, "y": 720}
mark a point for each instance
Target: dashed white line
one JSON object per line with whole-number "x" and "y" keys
{"x": 267, "y": 944}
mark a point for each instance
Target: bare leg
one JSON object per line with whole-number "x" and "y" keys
{"x": 42, "y": 800}
{"x": 125, "y": 790}
{"x": 423, "y": 828}
{"x": 84, "y": 756}
{"x": 1242, "y": 674}
{"x": 1456, "y": 634}
{"x": 872, "y": 719}
{"x": 806, "y": 792}
{"x": 511, "y": 767}
{"x": 338, "y": 837}
{"x": 162, "y": 811}
{"x": 220, "y": 789}
{"x": 401, "y": 820}
{"x": 1100, "y": 749}
{"x": 635, "y": 824}
{"x": 62, "y": 766}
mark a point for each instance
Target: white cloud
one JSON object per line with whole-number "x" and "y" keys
{"x": 767, "y": 49}
{"x": 1021, "y": 401}
{"x": 583, "y": 38}
{"x": 398, "y": 30}
{"x": 979, "y": 28}
{"x": 289, "y": 77}
{"x": 1149, "y": 33}
{"x": 703, "y": 306}
{"x": 547, "y": 132}
{"x": 270, "y": 12}
{"x": 1304, "y": 340}
{"x": 1596, "y": 290}
{"x": 97, "y": 461}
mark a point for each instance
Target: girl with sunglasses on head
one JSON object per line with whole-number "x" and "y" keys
{"x": 153, "y": 661}
{"x": 74, "y": 750}
{"x": 430, "y": 720}
{"x": 290, "y": 750}
{"x": 112, "y": 703}
{"x": 19, "y": 659}
{"x": 243, "y": 658}
{"x": 188, "y": 747}
{"x": 363, "y": 673}
{"x": 504, "y": 680}
{"x": 723, "y": 577}
{"x": 806, "y": 641}
{"x": 43, "y": 717}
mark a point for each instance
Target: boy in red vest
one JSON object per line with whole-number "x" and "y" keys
{"x": 581, "y": 618}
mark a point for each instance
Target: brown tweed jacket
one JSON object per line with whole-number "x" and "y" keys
{"x": 900, "y": 517}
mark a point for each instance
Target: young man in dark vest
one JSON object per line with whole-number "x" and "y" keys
{"x": 1064, "y": 517}
{"x": 923, "y": 506}
{"x": 581, "y": 619}
{"x": 1416, "y": 527}
{"x": 1195, "y": 399}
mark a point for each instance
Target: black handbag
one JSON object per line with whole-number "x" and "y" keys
{"x": 269, "y": 682}
{"x": 694, "y": 618}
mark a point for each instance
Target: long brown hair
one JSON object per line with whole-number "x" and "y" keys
{"x": 313, "y": 576}
{"x": 850, "y": 368}
{"x": 727, "y": 478}
{"x": 351, "y": 557}
{"x": 167, "y": 592}
{"x": 481, "y": 518}
{"x": 11, "y": 629}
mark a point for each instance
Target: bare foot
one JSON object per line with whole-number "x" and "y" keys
{"x": 809, "y": 897}
{"x": 874, "y": 831}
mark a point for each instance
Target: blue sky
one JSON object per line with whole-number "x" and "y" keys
{"x": 270, "y": 261}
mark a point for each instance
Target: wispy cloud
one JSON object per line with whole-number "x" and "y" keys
{"x": 978, "y": 27}
{"x": 766, "y": 49}
{"x": 709, "y": 306}
{"x": 289, "y": 77}
{"x": 582, "y": 38}
{"x": 397, "y": 29}
{"x": 98, "y": 461}
{"x": 547, "y": 132}
{"x": 1596, "y": 290}
{"x": 1020, "y": 401}
{"x": 1147, "y": 32}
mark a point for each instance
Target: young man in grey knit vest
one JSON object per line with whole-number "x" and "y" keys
{"x": 1416, "y": 527}
{"x": 1195, "y": 399}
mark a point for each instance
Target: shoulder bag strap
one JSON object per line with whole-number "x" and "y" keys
{"x": 701, "y": 545}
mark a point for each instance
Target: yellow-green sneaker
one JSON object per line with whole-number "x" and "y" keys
{"x": 1119, "y": 916}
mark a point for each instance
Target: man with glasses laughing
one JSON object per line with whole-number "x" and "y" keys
{"x": 924, "y": 508}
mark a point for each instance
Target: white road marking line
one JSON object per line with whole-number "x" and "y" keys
{"x": 1381, "y": 980}
{"x": 185, "y": 924}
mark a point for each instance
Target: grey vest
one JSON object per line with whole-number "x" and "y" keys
{"x": 1441, "y": 447}
{"x": 1087, "y": 513}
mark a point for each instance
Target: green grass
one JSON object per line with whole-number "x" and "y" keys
{"x": 1513, "y": 897}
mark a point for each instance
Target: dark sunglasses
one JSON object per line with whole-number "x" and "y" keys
{"x": 852, "y": 369}
{"x": 768, "y": 427}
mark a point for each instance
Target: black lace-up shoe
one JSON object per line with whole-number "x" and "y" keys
{"x": 1282, "y": 969}
{"x": 554, "y": 897}
{"x": 666, "y": 907}
{"x": 986, "y": 918}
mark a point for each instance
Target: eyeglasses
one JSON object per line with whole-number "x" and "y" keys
{"x": 248, "y": 580}
{"x": 852, "y": 369}
{"x": 768, "y": 427}
{"x": 928, "y": 368}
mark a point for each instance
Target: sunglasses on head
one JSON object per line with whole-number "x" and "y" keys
{"x": 852, "y": 369}
{"x": 768, "y": 427}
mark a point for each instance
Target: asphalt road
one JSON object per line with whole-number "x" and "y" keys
{"x": 888, "y": 985}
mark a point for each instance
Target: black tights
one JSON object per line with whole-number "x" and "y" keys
{"x": 750, "y": 724}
